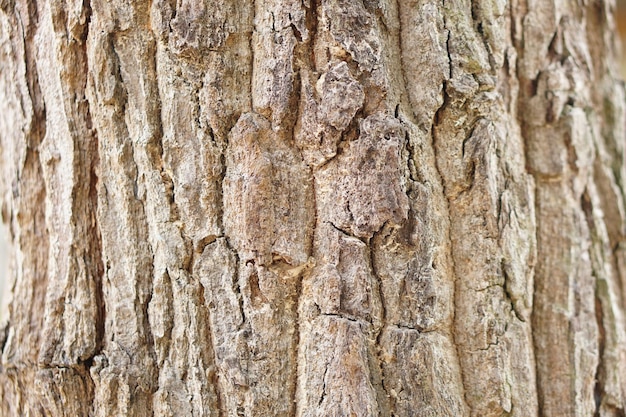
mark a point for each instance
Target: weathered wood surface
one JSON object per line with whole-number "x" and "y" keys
{"x": 313, "y": 208}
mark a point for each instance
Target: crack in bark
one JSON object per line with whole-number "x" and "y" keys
{"x": 321, "y": 400}
{"x": 437, "y": 117}
{"x": 378, "y": 327}
{"x": 509, "y": 295}
{"x": 598, "y": 389}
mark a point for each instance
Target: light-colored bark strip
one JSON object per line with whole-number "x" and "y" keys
{"x": 69, "y": 154}
{"x": 563, "y": 114}
{"x": 122, "y": 90}
{"x": 480, "y": 157}
{"x": 22, "y": 122}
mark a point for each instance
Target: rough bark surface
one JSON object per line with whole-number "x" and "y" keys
{"x": 313, "y": 208}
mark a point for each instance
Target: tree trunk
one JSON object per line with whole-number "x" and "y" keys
{"x": 313, "y": 208}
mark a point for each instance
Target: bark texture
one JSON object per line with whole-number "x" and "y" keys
{"x": 313, "y": 208}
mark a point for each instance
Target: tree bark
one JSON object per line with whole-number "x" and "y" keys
{"x": 313, "y": 208}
